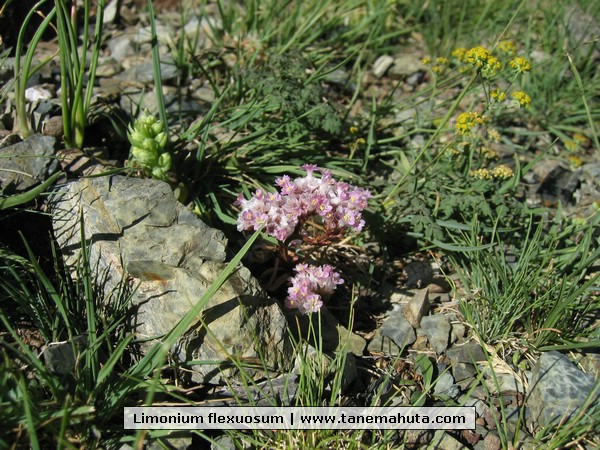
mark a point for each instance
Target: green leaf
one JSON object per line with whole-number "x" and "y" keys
{"x": 26, "y": 197}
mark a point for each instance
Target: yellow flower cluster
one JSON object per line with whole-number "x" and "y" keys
{"x": 482, "y": 174}
{"x": 488, "y": 153}
{"x": 502, "y": 171}
{"x": 459, "y": 53}
{"x": 482, "y": 59}
{"x": 493, "y": 135}
{"x": 520, "y": 64}
{"x": 467, "y": 120}
{"x": 498, "y": 95}
{"x": 438, "y": 65}
{"x": 507, "y": 47}
{"x": 575, "y": 161}
{"x": 499, "y": 172}
{"x": 522, "y": 98}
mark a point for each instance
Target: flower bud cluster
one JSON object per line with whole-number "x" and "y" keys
{"x": 148, "y": 139}
{"x": 339, "y": 204}
{"x": 467, "y": 121}
{"x": 483, "y": 60}
{"x": 309, "y": 285}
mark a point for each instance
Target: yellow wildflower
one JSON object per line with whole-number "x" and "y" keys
{"x": 570, "y": 145}
{"x": 441, "y": 60}
{"x": 488, "y": 153}
{"x": 467, "y": 120}
{"x": 493, "y": 135}
{"x": 575, "y": 161}
{"x": 502, "y": 171}
{"x": 507, "y": 47}
{"x": 482, "y": 59}
{"x": 452, "y": 151}
{"x": 482, "y": 174}
{"x": 498, "y": 95}
{"x": 520, "y": 64}
{"x": 459, "y": 53}
{"x": 438, "y": 69}
{"x": 522, "y": 98}
{"x": 580, "y": 138}
{"x": 353, "y": 130}
{"x": 426, "y": 60}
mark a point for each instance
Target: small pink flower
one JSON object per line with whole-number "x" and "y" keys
{"x": 338, "y": 203}
{"x": 309, "y": 286}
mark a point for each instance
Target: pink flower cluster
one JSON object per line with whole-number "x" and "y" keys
{"x": 308, "y": 286}
{"x": 339, "y": 204}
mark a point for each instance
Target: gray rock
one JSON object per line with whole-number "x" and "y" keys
{"x": 590, "y": 363}
{"x": 137, "y": 231}
{"x": 406, "y": 65}
{"x": 111, "y": 12}
{"x": 350, "y": 341}
{"x": 27, "y": 163}
{"x": 108, "y": 67}
{"x": 61, "y": 357}
{"x": 437, "y": 329}
{"x": 557, "y": 389}
{"x": 492, "y": 442}
{"x": 471, "y": 352}
{"x": 502, "y": 383}
{"x": 204, "y": 94}
{"x": 463, "y": 371}
{"x": 445, "y": 387}
{"x": 397, "y": 328}
{"x": 121, "y": 46}
{"x": 458, "y": 331}
{"x": 417, "y": 438}
{"x": 44, "y": 110}
{"x": 591, "y": 174}
{"x": 381, "y": 65}
{"x": 35, "y": 93}
{"x": 149, "y": 101}
{"x": 480, "y": 405}
{"x": 383, "y": 344}
{"x": 444, "y": 441}
{"x": 279, "y": 390}
{"x": 417, "y": 307}
{"x": 143, "y": 73}
{"x": 338, "y": 76}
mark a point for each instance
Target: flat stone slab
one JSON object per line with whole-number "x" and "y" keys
{"x": 557, "y": 389}
{"x": 397, "y": 328}
{"x": 27, "y": 163}
{"x": 136, "y": 231}
{"x": 417, "y": 307}
{"x": 437, "y": 329}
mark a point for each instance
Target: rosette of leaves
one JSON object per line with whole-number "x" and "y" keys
{"x": 148, "y": 138}
{"x": 293, "y": 99}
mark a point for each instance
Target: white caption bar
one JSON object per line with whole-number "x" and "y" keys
{"x": 299, "y": 418}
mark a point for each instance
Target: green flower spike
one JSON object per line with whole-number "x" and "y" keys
{"x": 148, "y": 139}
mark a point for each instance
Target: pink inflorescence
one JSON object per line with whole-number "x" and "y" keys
{"x": 339, "y": 204}
{"x": 309, "y": 285}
